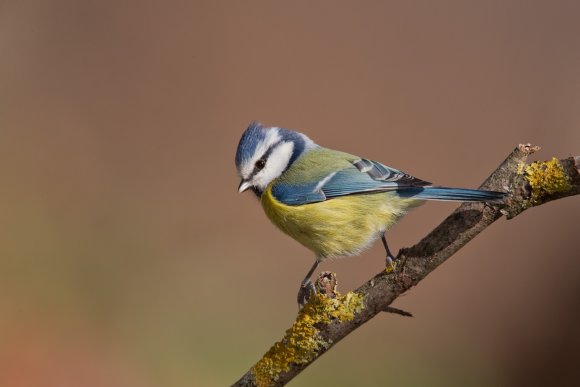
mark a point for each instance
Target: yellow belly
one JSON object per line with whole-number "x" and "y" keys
{"x": 340, "y": 226}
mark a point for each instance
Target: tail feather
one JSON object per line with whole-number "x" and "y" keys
{"x": 452, "y": 194}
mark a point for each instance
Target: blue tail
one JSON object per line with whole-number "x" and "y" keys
{"x": 452, "y": 194}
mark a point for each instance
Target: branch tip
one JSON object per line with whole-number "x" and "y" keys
{"x": 528, "y": 148}
{"x": 326, "y": 284}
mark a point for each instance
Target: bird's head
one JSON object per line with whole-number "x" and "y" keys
{"x": 264, "y": 153}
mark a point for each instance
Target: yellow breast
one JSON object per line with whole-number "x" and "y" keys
{"x": 340, "y": 226}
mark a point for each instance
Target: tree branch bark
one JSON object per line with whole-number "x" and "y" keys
{"x": 329, "y": 317}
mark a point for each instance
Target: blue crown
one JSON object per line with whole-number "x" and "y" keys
{"x": 253, "y": 135}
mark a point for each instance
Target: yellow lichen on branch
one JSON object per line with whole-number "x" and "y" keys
{"x": 546, "y": 178}
{"x": 302, "y": 342}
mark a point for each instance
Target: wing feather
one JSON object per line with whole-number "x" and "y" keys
{"x": 363, "y": 177}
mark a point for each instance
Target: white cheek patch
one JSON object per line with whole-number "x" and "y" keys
{"x": 276, "y": 164}
{"x": 272, "y": 137}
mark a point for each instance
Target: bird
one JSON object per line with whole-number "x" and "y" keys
{"x": 333, "y": 203}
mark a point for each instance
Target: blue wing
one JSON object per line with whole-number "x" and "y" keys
{"x": 364, "y": 176}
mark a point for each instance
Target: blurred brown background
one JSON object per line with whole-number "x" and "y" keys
{"x": 127, "y": 257}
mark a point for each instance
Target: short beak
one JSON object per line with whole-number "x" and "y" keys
{"x": 244, "y": 185}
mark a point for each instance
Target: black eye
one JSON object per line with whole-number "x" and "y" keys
{"x": 260, "y": 164}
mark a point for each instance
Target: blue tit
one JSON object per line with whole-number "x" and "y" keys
{"x": 332, "y": 202}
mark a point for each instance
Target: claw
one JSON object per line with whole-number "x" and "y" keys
{"x": 306, "y": 292}
{"x": 391, "y": 265}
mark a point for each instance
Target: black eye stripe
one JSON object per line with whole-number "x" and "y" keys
{"x": 257, "y": 168}
{"x": 270, "y": 150}
{"x": 264, "y": 158}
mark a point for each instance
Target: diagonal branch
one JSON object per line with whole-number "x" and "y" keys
{"x": 330, "y": 317}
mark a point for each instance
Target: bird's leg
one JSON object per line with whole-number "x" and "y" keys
{"x": 390, "y": 257}
{"x": 307, "y": 289}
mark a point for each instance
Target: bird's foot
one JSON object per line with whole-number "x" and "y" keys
{"x": 306, "y": 292}
{"x": 391, "y": 265}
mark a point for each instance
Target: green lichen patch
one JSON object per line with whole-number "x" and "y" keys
{"x": 546, "y": 178}
{"x": 302, "y": 342}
